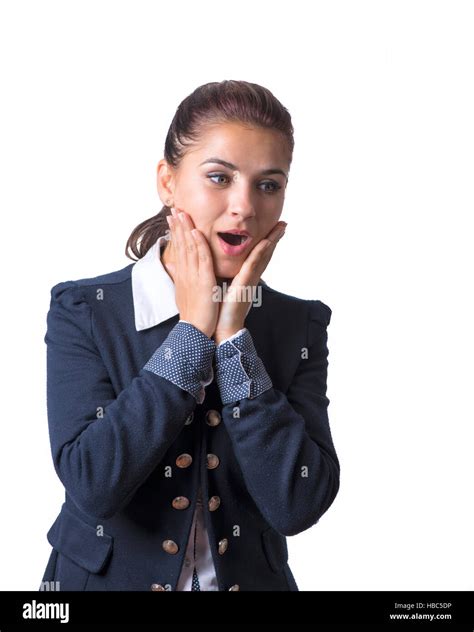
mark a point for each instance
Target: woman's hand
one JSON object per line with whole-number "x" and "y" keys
{"x": 193, "y": 274}
{"x": 236, "y": 304}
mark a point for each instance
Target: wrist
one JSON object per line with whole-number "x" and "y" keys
{"x": 219, "y": 336}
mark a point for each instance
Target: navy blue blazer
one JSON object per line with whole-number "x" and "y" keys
{"x": 117, "y": 432}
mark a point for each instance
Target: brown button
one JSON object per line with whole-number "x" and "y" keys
{"x": 157, "y": 587}
{"x": 189, "y": 419}
{"x": 180, "y": 502}
{"x": 212, "y": 461}
{"x": 235, "y": 587}
{"x": 214, "y": 503}
{"x": 223, "y": 546}
{"x": 184, "y": 460}
{"x": 170, "y": 546}
{"x": 213, "y": 418}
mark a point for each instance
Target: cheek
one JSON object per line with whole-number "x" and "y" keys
{"x": 267, "y": 226}
{"x": 200, "y": 212}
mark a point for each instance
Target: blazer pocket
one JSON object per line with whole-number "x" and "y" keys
{"x": 275, "y": 549}
{"x": 79, "y": 542}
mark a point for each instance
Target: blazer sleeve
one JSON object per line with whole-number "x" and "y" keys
{"x": 283, "y": 442}
{"x": 104, "y": 444}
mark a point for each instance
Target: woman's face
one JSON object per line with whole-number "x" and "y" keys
{"x": 246, "y": 194}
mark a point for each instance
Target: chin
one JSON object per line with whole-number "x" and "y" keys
{"x": 227, "y": 270}
{"x": 223, "y": 268}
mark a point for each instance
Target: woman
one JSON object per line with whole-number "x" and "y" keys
{"x": 187, "y": 402}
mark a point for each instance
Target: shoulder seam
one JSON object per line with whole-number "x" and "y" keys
{"x": 320, "y": 312}
{"x": 124, "y": 276}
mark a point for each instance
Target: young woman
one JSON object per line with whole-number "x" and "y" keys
{"x": 187, "y": 402}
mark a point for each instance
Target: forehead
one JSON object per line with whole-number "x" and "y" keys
{"x": 241, "y": 144}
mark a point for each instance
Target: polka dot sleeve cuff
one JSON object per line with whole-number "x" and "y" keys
{"x": 185, "y": 358}
{"x": 240, "y": 373}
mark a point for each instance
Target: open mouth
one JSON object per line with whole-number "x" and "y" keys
{"x": 233, "y": 240}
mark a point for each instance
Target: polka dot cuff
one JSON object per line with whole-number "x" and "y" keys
{"x": 240, "y": 373}
{"x": 185, "y": 358}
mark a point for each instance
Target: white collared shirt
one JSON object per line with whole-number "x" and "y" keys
{"x": 154, "y": 302}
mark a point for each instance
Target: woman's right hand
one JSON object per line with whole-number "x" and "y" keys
{"x": 193, "y": 274}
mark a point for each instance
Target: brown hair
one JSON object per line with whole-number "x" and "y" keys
{"x": 215, "y": 102}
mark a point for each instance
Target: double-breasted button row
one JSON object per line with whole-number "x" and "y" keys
{"x": 213, "y": 418}
{"x": 160, "y": 587}
{"x": 171, "y": 547}
{"x": 181, "y": 502}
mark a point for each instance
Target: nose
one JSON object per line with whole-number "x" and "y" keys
{"x": 241, "y": 205}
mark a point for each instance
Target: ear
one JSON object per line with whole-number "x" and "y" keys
{"x": 165, "y": 182}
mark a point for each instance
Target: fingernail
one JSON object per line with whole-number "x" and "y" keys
{"x": 173, "y": 211}
{"x": 181, "y": 216}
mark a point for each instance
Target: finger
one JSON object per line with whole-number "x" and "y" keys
{"x": 269, "y": 242}
{"x": 206, "y": 267}
{"x": 173, "y": 236}
{"x": 179, "y": 240}
{"x": 190, "y": 244}
{"x": 277, "y": 232}
{"x": 258, "y": 259}
{"x": 272, "y": 239}
{"x": 169, "y": 219}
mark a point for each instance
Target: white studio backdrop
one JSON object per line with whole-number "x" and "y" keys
{"x": 378, "y": 205}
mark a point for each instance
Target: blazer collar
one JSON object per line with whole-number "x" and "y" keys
{"x": 153, "y": 289}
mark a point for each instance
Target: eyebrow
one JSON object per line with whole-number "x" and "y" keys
{"x": 229, "y": 165}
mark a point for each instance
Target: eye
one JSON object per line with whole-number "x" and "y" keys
{"x": 271, "y": 183}
{"x": 217, "y": 175}
{"x": 274, "y": 184}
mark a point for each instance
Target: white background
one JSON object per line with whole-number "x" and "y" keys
{"x": 379, "y": 209}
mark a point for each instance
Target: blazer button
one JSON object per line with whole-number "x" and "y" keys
{"x": 157, "y": 587}
{"x": 214, "y": 503}
{"x": 212, "y": 461}
{"x": 180, "y": 502}
{"x": 213, "y": 418}
{"x": 189, "y": 419}
{"x": 184, "y": 460}
{"x": 170, "y": 546}
{"x": 223, "y": 546}
{"x": 235, "y": 587}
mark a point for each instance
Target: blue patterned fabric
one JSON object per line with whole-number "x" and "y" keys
{"x": 185, "y": 358}
{"x": 186, "y": 355}
{"x": 240, "y": 374}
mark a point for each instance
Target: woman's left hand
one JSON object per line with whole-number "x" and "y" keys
{"x": 236, "y": 302}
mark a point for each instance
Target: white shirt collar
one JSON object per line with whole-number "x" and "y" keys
{"x": 153, "y": 289}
